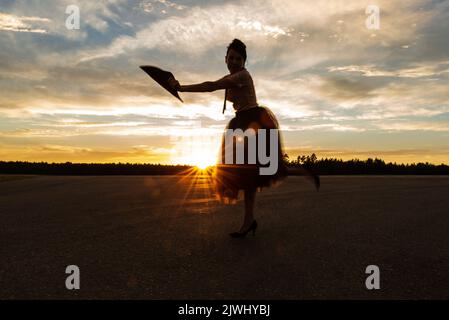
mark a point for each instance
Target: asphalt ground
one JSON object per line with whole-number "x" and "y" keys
{"x": 166, "y": 237}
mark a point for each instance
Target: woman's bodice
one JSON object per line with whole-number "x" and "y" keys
{"x": 242, "y": 94}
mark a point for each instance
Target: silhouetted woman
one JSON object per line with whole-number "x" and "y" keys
{"x": 230, "y": 178}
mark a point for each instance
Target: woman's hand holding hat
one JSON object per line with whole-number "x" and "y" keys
{"x": 174, "y": 84}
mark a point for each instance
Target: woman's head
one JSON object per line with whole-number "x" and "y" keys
{"x": 235, "y": 55}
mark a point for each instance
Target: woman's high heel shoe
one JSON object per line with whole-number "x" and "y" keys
{"x": 252, "y": 228}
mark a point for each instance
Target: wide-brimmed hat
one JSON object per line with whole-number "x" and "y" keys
{"x": 161, "y": 77}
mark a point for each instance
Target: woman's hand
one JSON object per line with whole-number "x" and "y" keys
{"x": 172, "y": 82}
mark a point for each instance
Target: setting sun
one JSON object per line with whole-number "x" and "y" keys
{"x": 200, "y": 151}
{"x": 201, "y": 159}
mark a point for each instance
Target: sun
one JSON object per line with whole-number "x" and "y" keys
{"x": 200, "y": 155}
{"x": 202, "y": 166}
{"x": 201, "y": 159}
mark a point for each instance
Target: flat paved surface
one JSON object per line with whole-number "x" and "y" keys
{"x": 159, "y": 237}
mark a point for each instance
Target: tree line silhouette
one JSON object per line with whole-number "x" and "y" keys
{"x": 334, "y": 166}
{"x": 298, "y": 166}
{"x": 69, "y": 168}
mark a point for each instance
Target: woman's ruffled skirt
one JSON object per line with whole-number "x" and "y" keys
{"x": 257, "y": 171}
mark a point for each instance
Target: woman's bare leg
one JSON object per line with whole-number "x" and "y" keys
{"x": 250, "y": 197}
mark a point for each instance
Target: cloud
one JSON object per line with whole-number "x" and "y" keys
{"x": 76, "y": 124}
{"x": 150, "y": 5}
{"x": 196, "y": 31}
{"x": 323, "y": 127}
{"x": 436, "y": 126}
{"x": 9, "y": 22}
{"x": 345, "y": 88}
{"x": 423, "y": 70}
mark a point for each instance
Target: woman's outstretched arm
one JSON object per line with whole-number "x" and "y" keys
{"x": 208, "y": 86}
{"x": 199, "y": 87}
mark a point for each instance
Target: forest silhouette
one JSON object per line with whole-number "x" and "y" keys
{"x": 296, "y": 166}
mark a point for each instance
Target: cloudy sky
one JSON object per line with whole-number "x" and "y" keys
{"x": 339, "y": 88}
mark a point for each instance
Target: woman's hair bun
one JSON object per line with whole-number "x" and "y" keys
{"x": 238, "y": 46}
